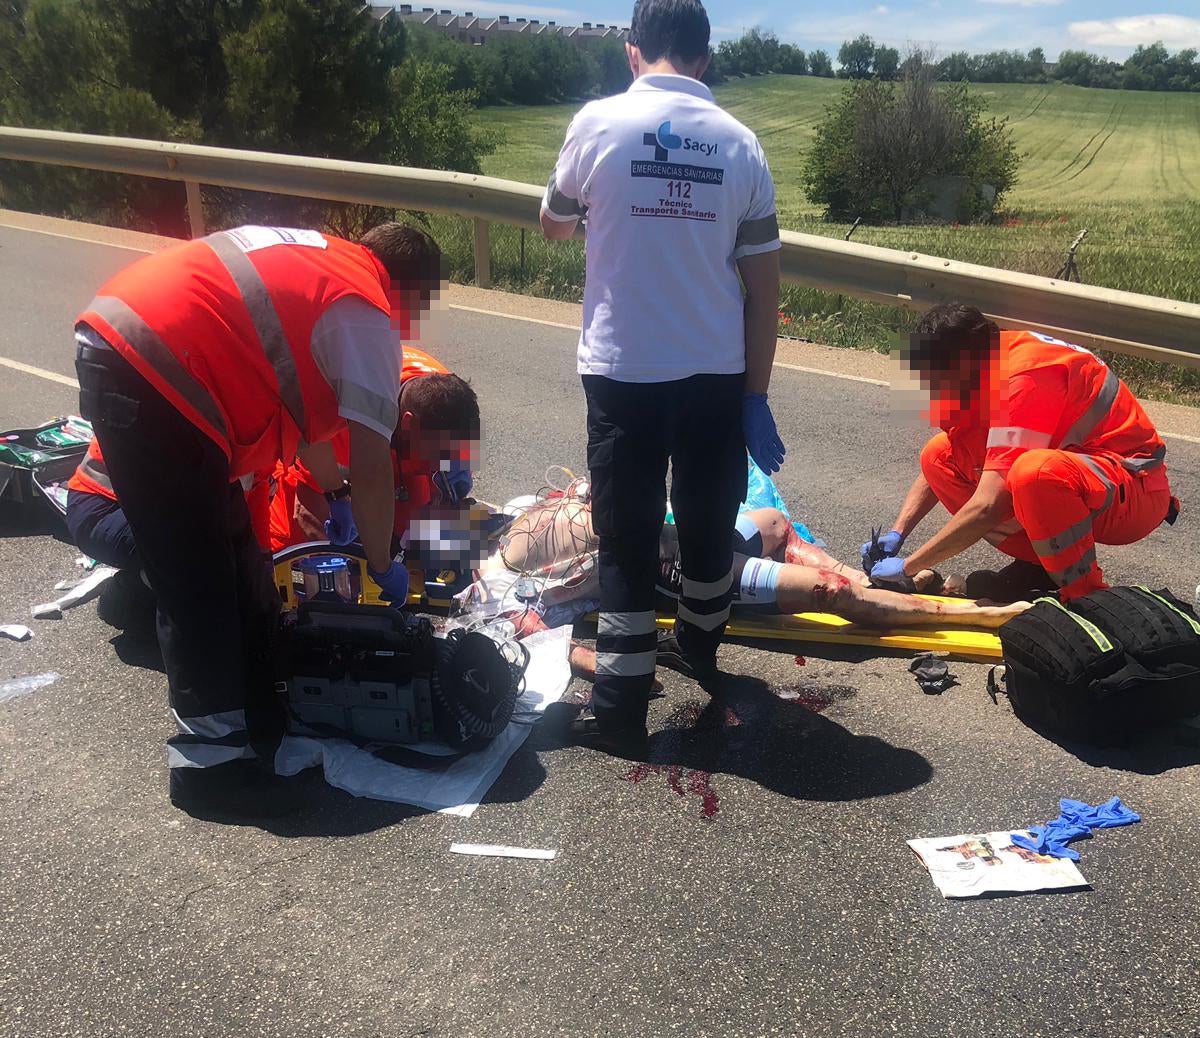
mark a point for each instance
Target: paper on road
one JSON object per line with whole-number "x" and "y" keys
{"x": 989, "y": 863}
{"x": 496, "y": 850}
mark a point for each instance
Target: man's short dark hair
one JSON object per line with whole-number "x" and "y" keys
{"x": 444, "y": 404}
{"x": 410, "y": 256}
{"x": 670, "y": 29}
{"x": 945, "y": 332}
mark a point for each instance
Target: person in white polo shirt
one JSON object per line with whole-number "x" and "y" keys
{"x": 680, "y": 319}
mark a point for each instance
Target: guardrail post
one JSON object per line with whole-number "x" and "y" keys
{"x": 195, "y": 208}
{"x": 483, "y": 254}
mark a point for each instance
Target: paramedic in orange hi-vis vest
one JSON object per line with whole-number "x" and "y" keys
{"x": 204, "y": 364}
{"x": 1044, "y": 452}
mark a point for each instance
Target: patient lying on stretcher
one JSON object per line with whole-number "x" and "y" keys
{"x": 774, "y": 570}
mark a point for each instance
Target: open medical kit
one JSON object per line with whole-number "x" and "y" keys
{"x": 37, "y": 462}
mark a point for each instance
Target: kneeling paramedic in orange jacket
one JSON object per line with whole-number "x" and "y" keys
{"x": 1044, "y": 452}
{"x": 206, "y": 363}
{"x": 435, "y": 443}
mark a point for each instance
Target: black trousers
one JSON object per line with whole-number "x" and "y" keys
{"x": 217, "y": 604}
{"x": 634, "y": 430}
{"x": 100, "y": 530}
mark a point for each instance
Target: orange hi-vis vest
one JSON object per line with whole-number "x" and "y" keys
{"x": 91, "y": 475}
{"x": 1099, "y": 415}
{"x": 221, "y": 326}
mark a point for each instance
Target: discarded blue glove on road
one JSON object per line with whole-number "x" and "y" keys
{"x": 762, "y": 438}
{"x": 1076, "y": 820}
{"x": 339, "y": 527}
{"x": 889, "y": 574}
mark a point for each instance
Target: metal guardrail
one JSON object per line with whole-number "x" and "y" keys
{"x": 1146, "y": 326}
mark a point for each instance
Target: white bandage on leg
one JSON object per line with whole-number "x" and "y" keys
{"x": 759, "y": 582}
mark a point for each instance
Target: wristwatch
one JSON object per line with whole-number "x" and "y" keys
{"x": 341, "y": 492}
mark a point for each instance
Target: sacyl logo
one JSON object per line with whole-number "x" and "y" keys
{"x": 663, "y": 141}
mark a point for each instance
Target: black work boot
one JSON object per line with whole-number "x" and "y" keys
{"x": 237, "y": 789}
{"x": 1019, "y": 581}
{"x": 629, "y": 741}
{"x": 675, "y": 653}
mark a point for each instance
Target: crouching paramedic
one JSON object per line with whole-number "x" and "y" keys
{"x": 435, "y": 445}
{"x": 208, "y": 362}
{"x": 1044, "y": 452}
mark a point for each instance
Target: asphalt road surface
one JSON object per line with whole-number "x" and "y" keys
{"x": 793, "y": 908}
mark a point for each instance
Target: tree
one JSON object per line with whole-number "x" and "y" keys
{"x": 856, "y": 57}
{"x": 886, "y": 62}
{"x": 791, "y": 61}
{"x": 880, "y": 143}
{"x": 820, "y": 65}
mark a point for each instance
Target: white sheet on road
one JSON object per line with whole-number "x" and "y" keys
{"x": 459, "y": 788}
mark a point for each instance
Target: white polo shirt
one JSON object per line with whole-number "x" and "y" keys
{"x": 675, "y": 191}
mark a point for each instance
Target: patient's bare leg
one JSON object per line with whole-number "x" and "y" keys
{"x": 782, "y": 543}
{"x": 811, "y": 589}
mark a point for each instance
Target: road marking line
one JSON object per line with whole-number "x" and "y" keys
{"x": 832, "y": 374}
{"x": 514, "y": 317}
{"x": 50, "y": 376}
{"x": 74, "y": 237}
{"x": 65, "y": 380}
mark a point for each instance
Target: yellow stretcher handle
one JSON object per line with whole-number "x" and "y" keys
{"x": 369, "y": 594}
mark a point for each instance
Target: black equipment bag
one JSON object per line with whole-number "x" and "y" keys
{"x": 1114, "y": 663}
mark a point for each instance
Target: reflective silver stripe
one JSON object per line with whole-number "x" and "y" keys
{"x": 154, "y": 351}
{"x": 757, "y": 232}
{"x": 384, "y": 410}
{"x": 626, "y": 664}
{"x": 1079, "y": 569}
{"x": 94, "y": 469}
{"x": 1145, "y": 464}
{"x": 617, "y": 625}
{"x": 266, "y": 321}
{"x": 701, "y": 591}
{"x": 705, "y": 621}
{"x": 1073, "y": 534}
{"x": 1015, "y": 436}
{"x": 1097, "y": 411}
{"x": 559, "y": 204}
{"x": 212, "y": 726}
{"x": 204, "y": 754}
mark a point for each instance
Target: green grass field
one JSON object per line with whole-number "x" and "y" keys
{"x": 1123, "y": 164}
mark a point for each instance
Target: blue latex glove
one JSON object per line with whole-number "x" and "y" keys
{"x": 1076, "y": 820}
{"x": 889, "y": 544}
{"x": 762, "y": 438}
{"x": 339, "y": 527}
{"x": 889, "y": 574}
{"x": 393, "y": 582}
{"x": 455, "y": 484}
{"x": 1109, "y": 815}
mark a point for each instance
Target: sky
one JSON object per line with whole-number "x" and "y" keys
{"x": 1109, "y": 27}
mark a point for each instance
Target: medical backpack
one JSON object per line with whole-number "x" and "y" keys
{"x": 1106, "y": 667}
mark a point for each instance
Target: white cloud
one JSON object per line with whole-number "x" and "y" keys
{"x": 882, "y": 9}
{"x": 1175, "y": 30}
{"x": 923, "y": 28}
